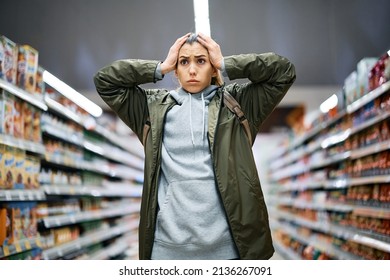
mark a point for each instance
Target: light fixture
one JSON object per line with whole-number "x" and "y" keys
{"x": 329, "y": 103}
{"x": 72, "y": 94}
{"x": 202, "y": 21}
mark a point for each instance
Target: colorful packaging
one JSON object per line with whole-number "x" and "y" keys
{"x": 20, "y": 160}
{"x": 18, "y": 120}
{"x": 35, "y": 164}
{"x": 6, "y": 113}
{"x": 8, "y": 60}
{"x": 40, "y": 84}
{"x": 6, "y": 217}
{"x": 37, "y": 133}
{"x": 27, "y": 68}
{"x": 351, "y": 88}
{"x": 32, "y": 170}
{"x": 364, "y": 67}
{"x": 23, "y": 221}
{"x": 2, "y": 172}
{"x": 9, "y": 167}
{"x": 27, "y": 110}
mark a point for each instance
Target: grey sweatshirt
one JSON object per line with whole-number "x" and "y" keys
{"x": 191, "y": 222}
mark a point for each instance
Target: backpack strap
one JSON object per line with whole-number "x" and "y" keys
{"x": 233, "y": 106}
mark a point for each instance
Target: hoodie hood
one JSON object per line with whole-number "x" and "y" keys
{"x": 181, "y": 96}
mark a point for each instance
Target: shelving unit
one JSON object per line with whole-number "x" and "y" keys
{"x": 90, "y": 208}
{"x": 332, "y": 185}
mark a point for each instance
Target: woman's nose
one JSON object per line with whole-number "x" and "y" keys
{"x": 192, "y": 69}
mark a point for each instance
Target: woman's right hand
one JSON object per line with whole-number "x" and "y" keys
{"x": 169, "y": 64}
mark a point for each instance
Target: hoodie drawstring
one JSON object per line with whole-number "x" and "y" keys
{"x": 192, "y": 132}
{"x": 203, "y": 118}
{"x": 203, "y": 112}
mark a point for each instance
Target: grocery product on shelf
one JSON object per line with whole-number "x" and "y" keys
{"x": 8, "y": 59}
{"x": 67, "y": 187}
{"x": 333, "y": 182}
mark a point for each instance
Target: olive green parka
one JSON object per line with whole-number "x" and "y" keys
{"x": 269, "y": 75}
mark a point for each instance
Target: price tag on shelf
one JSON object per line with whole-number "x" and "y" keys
{"x": 27, "y": 244}
{"x": 5, "y": 251}
{"x": 18, "y": 248}
{"x": 30, "y": 195}
{"x": 38, "y": 242}
{"x": 8, "y": 195}
{"x": 21, "y": 195}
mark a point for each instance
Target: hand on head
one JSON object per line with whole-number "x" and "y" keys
{"x": 214, "y": 50}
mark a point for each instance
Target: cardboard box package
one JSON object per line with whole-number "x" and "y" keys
{"x": 27, "y": 68}
{"x": 6, "y": 113}
{"x": 8, "y": 59}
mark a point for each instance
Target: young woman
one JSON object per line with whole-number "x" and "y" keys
{"x": 202, "y": 197}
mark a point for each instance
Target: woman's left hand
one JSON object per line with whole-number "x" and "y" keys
{"x": 213, "y": 48}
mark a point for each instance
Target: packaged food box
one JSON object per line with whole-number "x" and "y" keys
{"x": 40, "y": 84}
{"x": 6, "y": 113}
{"x": 27, "y": 68}
{"x": 37, "y": 132}
{"x": 351, "y": 88}
{"x": 364, "y": 67}
{"x": 8, "y": 59}
{"x": 32, "y": 169}
{"x": 9, "y": 167}
{"x": 27, "y": 110}
{"x": 6, "y": 216}
{"x": 20, "y": 161}
{"x": 18, "y": 120}
{"x": 21, "y": 221}
{"x": 2, "y": 172}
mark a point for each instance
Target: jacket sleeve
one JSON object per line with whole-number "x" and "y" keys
{"x": 118, "y": 85}
{"x": 270, "y": 77}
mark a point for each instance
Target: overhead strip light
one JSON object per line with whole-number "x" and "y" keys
{"x": 202, "y": 21}
{"x": 329, "y": 104}
{"x": 72, "y": 94}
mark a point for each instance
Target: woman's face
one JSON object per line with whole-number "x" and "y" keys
{"x": 194, "y": 69}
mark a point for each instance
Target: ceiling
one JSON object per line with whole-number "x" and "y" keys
{"x": 324, "y": 39}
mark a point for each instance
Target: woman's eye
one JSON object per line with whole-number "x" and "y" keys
{"x": 201, "y": 61}
{"x": 183, "y": 62}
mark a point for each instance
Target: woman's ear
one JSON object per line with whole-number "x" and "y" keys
{"x": 215, "y": 72}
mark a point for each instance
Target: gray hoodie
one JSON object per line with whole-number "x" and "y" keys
{"x": 191, "y": 222}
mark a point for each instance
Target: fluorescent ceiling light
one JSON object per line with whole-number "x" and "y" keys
{"x": 329, "y": 104}
{"x": 72, "y": 94}
{"x": 202, "y": 21}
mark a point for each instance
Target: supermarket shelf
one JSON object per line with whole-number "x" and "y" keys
{"x": 58, "y": 133}
{"x": 104, "y": 168}
{"x": 338, "y": 231}
{"x": 22, "y": 195}
{"x": 95, "y": 191}
{"x": 370, "y": 122}
{"x": 87, "y": 240}
{"x": 113, "y": 138}
{"x": 20, "y": 246}
{"x": 114, "y": 154}
{"x": 368, "y": 97}
{"x": 62, "y": 220}
{"x": 316, "y": 242}
{"x": 285, "y": 251}
{"x": 26, "y": 145}
{"x": 22, "y": 94}
{"x": 64, "y": 111}
{"x": 350, "y": 109}
{"x": 120, "y": 246}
